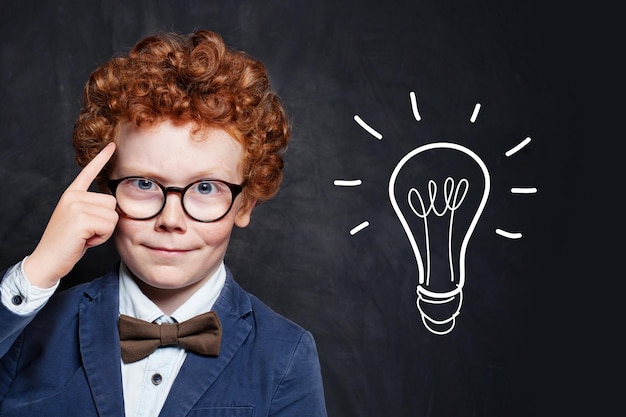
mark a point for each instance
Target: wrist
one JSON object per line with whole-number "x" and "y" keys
{"x": 37, "y": 274}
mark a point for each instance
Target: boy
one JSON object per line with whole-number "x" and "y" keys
{"x": 184, "y": 137}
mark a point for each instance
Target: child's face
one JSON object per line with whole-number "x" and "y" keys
{"x": 172, "y": 251}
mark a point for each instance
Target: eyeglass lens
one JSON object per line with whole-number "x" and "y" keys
{"x": 143, "y": 198}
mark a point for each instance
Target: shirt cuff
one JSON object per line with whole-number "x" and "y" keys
{"x": 19, "y": 295}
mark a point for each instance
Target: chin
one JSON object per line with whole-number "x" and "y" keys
{"x": 162, "y": 281}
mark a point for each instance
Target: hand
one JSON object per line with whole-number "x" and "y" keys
{"x": 81, "y": 220}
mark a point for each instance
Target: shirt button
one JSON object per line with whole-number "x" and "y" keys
{"x": 157, "y": 379}
{"x": 17, "y": 300}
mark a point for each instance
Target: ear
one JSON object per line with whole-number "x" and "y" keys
{"x": 242, "y": 218}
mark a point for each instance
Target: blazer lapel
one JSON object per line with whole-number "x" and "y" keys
{"x": 198, "y": 373}
{"x": 100, "y": 346}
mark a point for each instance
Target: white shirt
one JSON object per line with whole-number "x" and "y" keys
{"x": 146, "y": 383}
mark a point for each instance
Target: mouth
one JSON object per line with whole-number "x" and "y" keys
{"x": 165, "y": 251}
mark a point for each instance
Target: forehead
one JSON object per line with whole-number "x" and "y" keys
{"x": 177, "y": 152}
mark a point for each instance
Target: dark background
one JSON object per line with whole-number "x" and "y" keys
{"x": 519, "y": 347}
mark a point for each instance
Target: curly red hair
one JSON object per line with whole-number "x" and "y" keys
{"x": 188, "y": 78}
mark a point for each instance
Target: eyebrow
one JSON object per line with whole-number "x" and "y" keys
{"x": 166, "y": 182}
{"x": 137, "y": 171}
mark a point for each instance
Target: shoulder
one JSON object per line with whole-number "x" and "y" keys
{"x": 274, "y": 338}
{"x": 268, "y": 320}
{"x": 291, "y": 344}
{"x": 286, "y": 353}
{"x": 263, "y": 318}
{"x": 277, "y": 336}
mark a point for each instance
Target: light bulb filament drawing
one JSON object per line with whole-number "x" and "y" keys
{"x": 453, "y": 198}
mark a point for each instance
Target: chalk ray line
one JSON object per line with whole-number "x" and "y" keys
{"x": 509, "y": 235}
{"x": 416, "y": 112}
{"x": 523, "y": 190}
{"x": 358, "y": 228}
{"x": 517, "y": 147}
{"x": 367, "y": 127}
{"x": 475, "y": 113}
{"x": 347, "y": 183}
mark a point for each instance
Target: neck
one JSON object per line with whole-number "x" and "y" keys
{"x": 167, "y": 299}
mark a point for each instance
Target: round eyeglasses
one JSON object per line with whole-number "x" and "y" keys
{"x": 142, "y": 198}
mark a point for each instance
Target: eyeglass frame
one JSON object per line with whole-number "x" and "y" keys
{"x": 235, "y": 190}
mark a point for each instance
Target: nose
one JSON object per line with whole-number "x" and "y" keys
{"x": 172, "y": 217}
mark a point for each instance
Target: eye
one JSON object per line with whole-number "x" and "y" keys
{"x": 142, "y": 184}
{"x": 205, "y": 187}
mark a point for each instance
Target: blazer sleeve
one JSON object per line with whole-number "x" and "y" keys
{"x": 10, "y": 330}
{"x": 12, "y": 323}
{"x": 300, "y": 392}
{"x": 12, "y": 326}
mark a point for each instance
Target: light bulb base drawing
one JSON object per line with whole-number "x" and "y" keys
{"x": 439, "y": 310}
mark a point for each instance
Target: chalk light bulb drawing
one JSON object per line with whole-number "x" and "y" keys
{"x": 439, "y": 292}
{"x": 439, "y": 204}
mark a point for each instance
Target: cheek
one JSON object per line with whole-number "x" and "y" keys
{"x": 213, "y": 234}
{"x": 129, "y": 227}
{"x": 125, "y": 231}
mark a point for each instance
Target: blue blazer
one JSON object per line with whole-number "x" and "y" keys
{"x": 65, "y": 361}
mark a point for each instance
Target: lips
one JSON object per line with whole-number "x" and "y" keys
{"x": 167, "y": 251}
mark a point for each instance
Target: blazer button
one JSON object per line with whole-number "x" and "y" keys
{"x": 17, "y": 300}
{"x": 157, "y": 379}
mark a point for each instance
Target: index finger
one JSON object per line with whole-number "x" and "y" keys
{"x": 86, "y": 176}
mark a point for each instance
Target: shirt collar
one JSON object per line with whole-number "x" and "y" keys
{"x": 134, "y": 303}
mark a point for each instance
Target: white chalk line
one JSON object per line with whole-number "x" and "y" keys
{"x": 517, "y": 147}
{"x": 347, "y": 183}
{"x": 367, "y": 127}
{"x": 416, "y": 113}
{"x": 475, "y": 113}
{"x": 523, "y": 190}
{"x": 360, "y": 227}
{"x": 509, "y": 235}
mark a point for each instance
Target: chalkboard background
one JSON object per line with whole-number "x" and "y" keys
{"x": 512, "y": 352}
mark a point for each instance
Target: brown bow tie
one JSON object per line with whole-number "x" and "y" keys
{"x": 138, "y": 339}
